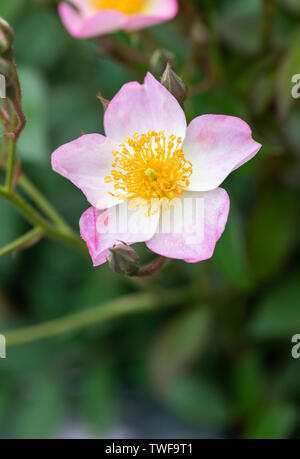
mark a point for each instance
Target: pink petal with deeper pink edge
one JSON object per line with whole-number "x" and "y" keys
{"x": 200, "y": 230}
{"x": 86, "y": 161}
{"x": 140, "y": 108}
{"x": 216, "y": 145}
{"x": 101, "y": 230}
{"x": 161, "y": 11}
{"x": 86, "y": 26}
{"x": 90, "y": 23}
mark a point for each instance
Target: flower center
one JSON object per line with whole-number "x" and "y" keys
{"x": 125, "y": 6}
{"x": 150, "y": 167}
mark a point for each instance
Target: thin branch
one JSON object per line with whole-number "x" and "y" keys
{"x": 21, "y": 118}
{"x": 23, "y": 241}
{"x": 61, "y": 234}
{"x": 41, "y": 201}
{"x": 10, "y": 165}
{"x": 137, "y": 302}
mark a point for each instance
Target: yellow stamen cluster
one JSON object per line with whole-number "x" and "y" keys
{"x": 150, "y": 167}
{"x": 125, "y": 6}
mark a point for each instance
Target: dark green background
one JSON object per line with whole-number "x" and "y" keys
{"x": 219, "y": 365}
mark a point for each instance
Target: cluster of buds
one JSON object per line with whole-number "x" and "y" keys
{"x": 7, "y": 65}
{"x": 8, "y": 70}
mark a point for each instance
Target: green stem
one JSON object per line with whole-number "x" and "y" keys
{"x": 22, "y": 241}
{"x": 138, "y": 302}
{"x": 61, "y": 234}
{"x": 10, "y": 165}
{"x": 41, "y": 201}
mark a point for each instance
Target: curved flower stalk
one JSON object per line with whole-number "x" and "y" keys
{"x": 152, "y": 179}
{"x": 92, "y": 18}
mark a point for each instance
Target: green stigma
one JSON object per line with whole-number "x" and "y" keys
{"x": 151, "y": 174}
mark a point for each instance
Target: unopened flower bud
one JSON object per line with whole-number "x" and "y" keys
{"x": 159, "y": 60}
{"x": 6, "y": 36}
{"x": 174, "y": 84}
{"x": 124, "y": 260}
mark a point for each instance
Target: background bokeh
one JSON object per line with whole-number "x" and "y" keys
{"x": 219, "y": 364}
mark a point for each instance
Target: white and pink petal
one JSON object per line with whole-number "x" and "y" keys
{"x": 139, "y": 108}
{"x": 86, "y": 162}
{"x": 86, "y": 23}
{"x": 216, "y": 145}
{"x": 156, "y": 12}
{"x": 196, "y": 224}
{"x": 101, "y": 230}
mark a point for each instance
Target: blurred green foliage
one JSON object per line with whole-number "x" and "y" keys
{"x": 217, "y": 366}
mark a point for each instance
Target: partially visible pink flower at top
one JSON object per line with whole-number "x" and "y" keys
{"x": 91, "y": 18}
{"x": 153, "y": 179}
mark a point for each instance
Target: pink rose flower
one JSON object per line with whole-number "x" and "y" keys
{"x": 147, "y": 166}
{"x": 100, "y": 17}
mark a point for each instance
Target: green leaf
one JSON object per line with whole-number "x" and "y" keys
{"x": 181, "y": 341}
{"x": 71, "y": 111}
{"x": 288, "y": 381}
{"x": 40, "y": 39}
{"x": 239, "y": 25}
{"x": 41, "y": 412}
{"x": 219, "y": 100}
{"x": 277, "y": 422}
{"x": 230, "y": 256}
{"x": 271, "y": 234}
{"x": 200, "y": 402}
{"x": 262, "y": 93}
{"x": 278, "y": 314}
{"x": 99, "y": 403}
{"x": 10, "y": 10}
{"x": 249, "y": 384}
{"x": 33, "y": 143}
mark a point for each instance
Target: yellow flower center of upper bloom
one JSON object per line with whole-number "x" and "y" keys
{"x": 125, "y": 6}
{"x": 150, "y": 167}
